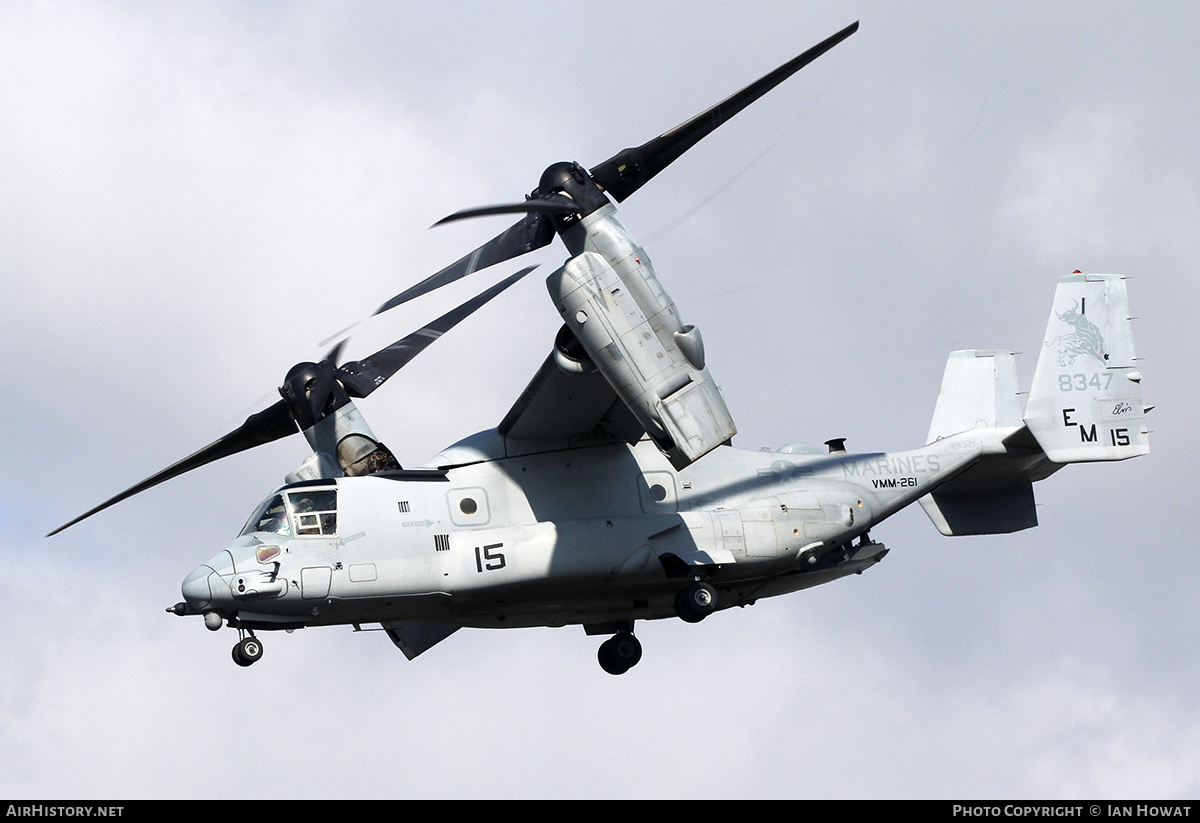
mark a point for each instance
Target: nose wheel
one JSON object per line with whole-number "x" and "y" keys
{"x": 619, "y": 653}
{"x": 247, "y": 651}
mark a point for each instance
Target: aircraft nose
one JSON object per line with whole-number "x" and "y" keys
{"x": 195, "y": 588}
{"x": 199, "y": 586}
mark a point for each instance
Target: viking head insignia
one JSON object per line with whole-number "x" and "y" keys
{"x": 1085, "y": 340}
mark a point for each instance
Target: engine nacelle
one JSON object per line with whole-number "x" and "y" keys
{"x": 614, "y": 305}
{"x": 343, "y": 444}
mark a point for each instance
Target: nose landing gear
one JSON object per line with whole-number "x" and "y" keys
{"x": 247, "y": 651}
{"x": 619, "y": 653}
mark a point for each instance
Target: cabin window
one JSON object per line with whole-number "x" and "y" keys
{"x": 314, "y": 511}
{"x": 656, "y": 492}
{"x": 270, "y": 517}
{"x": 468, "y": 507}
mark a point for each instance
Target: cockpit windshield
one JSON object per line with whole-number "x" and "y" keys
{"x": 315, "y": 510}
{"x": 271, "y": 516}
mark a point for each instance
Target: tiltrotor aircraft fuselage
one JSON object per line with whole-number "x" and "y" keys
{"x": 610, "y": 492}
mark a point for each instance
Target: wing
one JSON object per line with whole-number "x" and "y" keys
{"x": 569, "y": 406}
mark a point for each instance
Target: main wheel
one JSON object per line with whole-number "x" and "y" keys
{"x": 696, "y": 602}
{"x": 619, "y": 653}
{"x": 247, "y": 651}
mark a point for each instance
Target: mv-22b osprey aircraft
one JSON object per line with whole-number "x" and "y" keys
{"x": 610, "y": 492}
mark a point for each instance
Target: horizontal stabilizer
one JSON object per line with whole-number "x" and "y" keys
{"x": 992, "y": 512}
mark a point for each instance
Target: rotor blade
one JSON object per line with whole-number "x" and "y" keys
{"x": 361, "y": 377}
{"x": 625, "y": 172}
{"x": 553, "y": 204}
{"x": 620, "y": 175}
{"x": 335, "y": 354}
{"x": 264, "y": 427}
{"x": 530, "y": 234}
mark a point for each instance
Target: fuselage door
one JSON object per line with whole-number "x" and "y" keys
{"x": 315, "y": 518}
{"x": 730, "y": 524}
{"x": 758, "y": 531}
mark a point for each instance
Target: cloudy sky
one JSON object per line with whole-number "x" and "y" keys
{"x": 193, "y": 196}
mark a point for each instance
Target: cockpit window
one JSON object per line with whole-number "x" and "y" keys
{"x": 271, "y": 516}
{"x": 315, "y": 510}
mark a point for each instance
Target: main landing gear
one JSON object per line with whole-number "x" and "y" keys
{"x": 248, "y": 650}
{"x": 619, "y": 653}
{"x": 695, "y": 602}
{"x": 622, "y": 651}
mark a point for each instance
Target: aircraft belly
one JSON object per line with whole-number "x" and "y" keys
{"x": 526, "y": 606}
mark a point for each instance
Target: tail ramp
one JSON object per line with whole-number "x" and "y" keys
{"x": 1085, "y": 405}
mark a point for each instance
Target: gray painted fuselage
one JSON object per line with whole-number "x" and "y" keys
{"x": 591, "y": 535}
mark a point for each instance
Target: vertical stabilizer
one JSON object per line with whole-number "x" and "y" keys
{"x": 1085, "y": 403}
{"x": 979, "y": 391}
